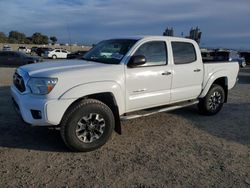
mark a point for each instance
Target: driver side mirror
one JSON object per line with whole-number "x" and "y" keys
{"x": 136, "y": 60}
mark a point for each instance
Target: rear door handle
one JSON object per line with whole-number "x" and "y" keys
{"x": 166, "y": 73}
{"x": 197, "y": 70}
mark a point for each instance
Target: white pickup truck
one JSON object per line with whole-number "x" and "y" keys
{"x": 88, "y": 98}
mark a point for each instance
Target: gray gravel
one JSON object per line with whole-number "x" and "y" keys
{"x": 180, "y": 149}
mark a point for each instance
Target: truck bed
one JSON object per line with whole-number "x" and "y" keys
{"x": 230, "y": 68}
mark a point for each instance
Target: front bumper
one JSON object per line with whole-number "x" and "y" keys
{"x": 51, "y": 111}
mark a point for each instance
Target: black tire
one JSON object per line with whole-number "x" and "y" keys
{"x": 78, "y": 113}
{"x": 213, "y": 102}
{"x": 54, "y": 57}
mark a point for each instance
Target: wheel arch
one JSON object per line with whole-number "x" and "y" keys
{"x": 106, "y": 98}
{"x": 223, "y": 82}
{"x": 219, "y": 80}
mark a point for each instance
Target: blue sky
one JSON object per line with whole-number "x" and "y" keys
{"x": 224, "y": 23}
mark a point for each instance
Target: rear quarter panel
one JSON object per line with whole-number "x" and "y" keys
{"x": 215, "y": 70}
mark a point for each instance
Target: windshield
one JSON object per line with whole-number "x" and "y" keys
{"x": 109, "y": 51}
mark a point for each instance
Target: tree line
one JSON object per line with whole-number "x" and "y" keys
{"x": 20, "y": 38}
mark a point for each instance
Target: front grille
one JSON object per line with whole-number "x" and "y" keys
{"x": 18, "y": 82}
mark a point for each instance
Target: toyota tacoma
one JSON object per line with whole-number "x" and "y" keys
{"x": 119, "y": 79}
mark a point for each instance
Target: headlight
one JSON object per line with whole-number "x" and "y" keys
{"x": 41, "y": 86}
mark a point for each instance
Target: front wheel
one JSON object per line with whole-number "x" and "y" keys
{"x": 87, "y": 125}
{"x": 212, "y": 103}
{"x": 54, "y": 57}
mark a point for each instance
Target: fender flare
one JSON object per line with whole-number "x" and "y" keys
{"x": 91, "y": 88}
{"x": 212, "y": 79}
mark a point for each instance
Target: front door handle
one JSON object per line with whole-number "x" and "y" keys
{"x": 166, "y": 73}
{"x": 197, "y": 70}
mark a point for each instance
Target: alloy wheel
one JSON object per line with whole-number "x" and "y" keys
{"x": 90, "y": 127}
{"x": 215, "y": 100}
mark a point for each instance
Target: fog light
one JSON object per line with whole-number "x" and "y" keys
{"x": 36, "y": 114}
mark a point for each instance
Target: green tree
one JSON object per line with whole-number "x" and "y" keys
{"x": 28, "y": 40}
{"x": 3, "y": 37}
{"x": 45, "y": 39}
{"x": 53, "y": 39}
{"x": 38, "y": 38}
{"x": 16, "y": 37}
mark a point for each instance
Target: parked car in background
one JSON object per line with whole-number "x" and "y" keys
{"x": 76, "y": 55}
{"x": 235, "y": 56}
{"x": 33, "y": 50}
{"x": 6, "y": 48}
{"x": 40, "y": 51}
{"x": 246, "y": 55}
{"x": 12, "y": 58}
{"x": 56, "y": 53}
{"x": 218, "y": 55}
{"x": 24, "y": 49}
{"x": 242, "y": 62}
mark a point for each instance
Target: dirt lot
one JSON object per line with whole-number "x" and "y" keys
{"x": 181, "y": 148}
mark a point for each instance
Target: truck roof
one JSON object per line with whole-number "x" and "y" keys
{"x": 139, "y": 37}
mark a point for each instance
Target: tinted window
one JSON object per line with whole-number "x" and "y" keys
{"x": 64, "y": 51}
{"x": 183, "y": 52}
{"x": 57, "y": 51}
{"x": 155, "y": 53}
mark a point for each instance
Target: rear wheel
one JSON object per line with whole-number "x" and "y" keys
{"x": 212, "y": 103}
{"x": 87, "y": 125}
{"x": 54, "y": 57}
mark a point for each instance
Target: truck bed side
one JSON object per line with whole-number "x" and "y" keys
{"x": 216, "y": 70}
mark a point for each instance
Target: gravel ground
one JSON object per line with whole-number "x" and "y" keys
{"x": 180, "y": 149}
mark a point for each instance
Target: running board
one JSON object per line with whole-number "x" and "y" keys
{"x": 166, "y": 109}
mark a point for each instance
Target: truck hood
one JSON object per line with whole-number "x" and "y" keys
{"x": 59, "y": 68}
{"x": 73, "y": 73}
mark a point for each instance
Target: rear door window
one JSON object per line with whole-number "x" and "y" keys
{"x": 183, "y": 52}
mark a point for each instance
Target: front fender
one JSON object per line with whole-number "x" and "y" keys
{"x": 91, "y": 88}
{"x": 211, "y": 80}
